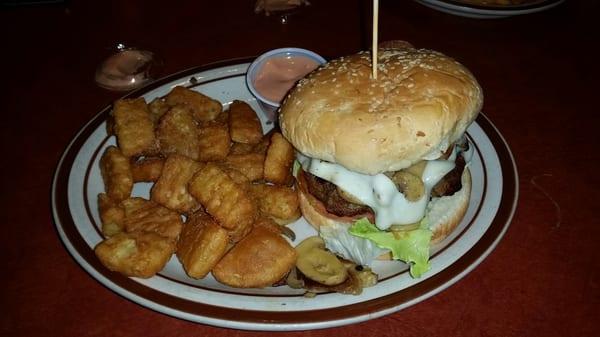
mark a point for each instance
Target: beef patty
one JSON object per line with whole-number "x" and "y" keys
{"x": 334, "y": 203}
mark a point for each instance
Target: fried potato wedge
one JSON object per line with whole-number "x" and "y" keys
{"x": 279, "y": 161}
{"x": 112, "y": 215}
{"x": 251, "y": 164}
{"x": 133, "y": 127}
{"x": 147, "y": 169}
{"x": 228, "y": 202}
{"x": 222, "y": 118}
{"x": 214, "y": 142}
{"x": 157, "y": 108}
{"x": 274, "y": 227}
{"x": 143, "y": 215}
{"x": 239, "y": 232}
{"x": 268, "y": 224}
{"x": 201, "y": 245}
{"x": 237, "y": 176}
{"x": 279, "y": 203}
{"x": 170, "y": 190}
{"x": 262, "y": 146}
{"x": 116, "y": 174}
{"x": 177, "y": 132}
{"x": 241, "y": 148}
{"x": 203, "y": 107}
{"x": 260, "y": 259}
{"x": 244, "y": 125}
{"x": 137, "y": 254}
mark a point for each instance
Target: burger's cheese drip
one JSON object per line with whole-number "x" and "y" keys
{"x": 378, "y": 191}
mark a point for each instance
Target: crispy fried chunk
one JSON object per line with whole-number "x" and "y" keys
{"x": 279, "y": 161}
{"x": 157, "y": 108}
{"x": 228, "y": 202}
{"x": 177, "y": 132}
{"x": 147, "y": 169}
{"x": 133, "y": 127}
{"x": 214, "y": 142}
{"x": 203, "y": 107}
{"x": 112, "y": 215}
{"x": 170, "y": 190}
{"x": 279, "y": 203}
{"x": 201, "y": 245}
{"x": 251, "y": 164}
{"x": 116, "y": 174}
{"x": 259, "y": 260}
{"x": 244, "y": 124}
{"x": 143, "y": 215}
{"x": 137, "y": 254}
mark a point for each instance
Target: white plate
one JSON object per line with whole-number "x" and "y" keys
{"x": 77, "y": 182}
{"x": 462, "y": 8}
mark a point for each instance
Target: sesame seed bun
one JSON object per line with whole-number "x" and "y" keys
{"x": 421, "y": 102}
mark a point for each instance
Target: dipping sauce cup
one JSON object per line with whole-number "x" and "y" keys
{"x": 274, "y": 73}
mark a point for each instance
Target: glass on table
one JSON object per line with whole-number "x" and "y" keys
{"x": 127, "y": 68}
{"x": 280, "y": 9}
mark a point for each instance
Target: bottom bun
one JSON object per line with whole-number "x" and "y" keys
{"x": 443, "y": 213}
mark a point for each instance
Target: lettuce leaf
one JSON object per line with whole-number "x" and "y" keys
{"x": 411, "y": 246}
{"x": 339, "y": 240}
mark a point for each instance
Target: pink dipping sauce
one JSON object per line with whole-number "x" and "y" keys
{"x": 125, "y": 70}
{"x": 279, "y": 74}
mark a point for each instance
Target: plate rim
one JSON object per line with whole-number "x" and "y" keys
{"x": 525, "y": 6}
{"x": 480, "y": 11}
{"x": 256, "y": 319}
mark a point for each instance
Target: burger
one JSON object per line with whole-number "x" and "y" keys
{"x": 383, "y": 164}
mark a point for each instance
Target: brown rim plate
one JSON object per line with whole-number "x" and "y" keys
{"x": 77, "y": 182}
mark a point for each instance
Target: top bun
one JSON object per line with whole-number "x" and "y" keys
{"x": 421, "y": 102}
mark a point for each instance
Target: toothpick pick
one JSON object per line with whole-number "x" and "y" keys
{"x": 374, "y": 47}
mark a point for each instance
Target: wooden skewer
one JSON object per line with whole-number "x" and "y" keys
{"x": 374, "y": 47}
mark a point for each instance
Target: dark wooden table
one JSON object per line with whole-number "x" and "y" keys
{"x": 540, "y": 78}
